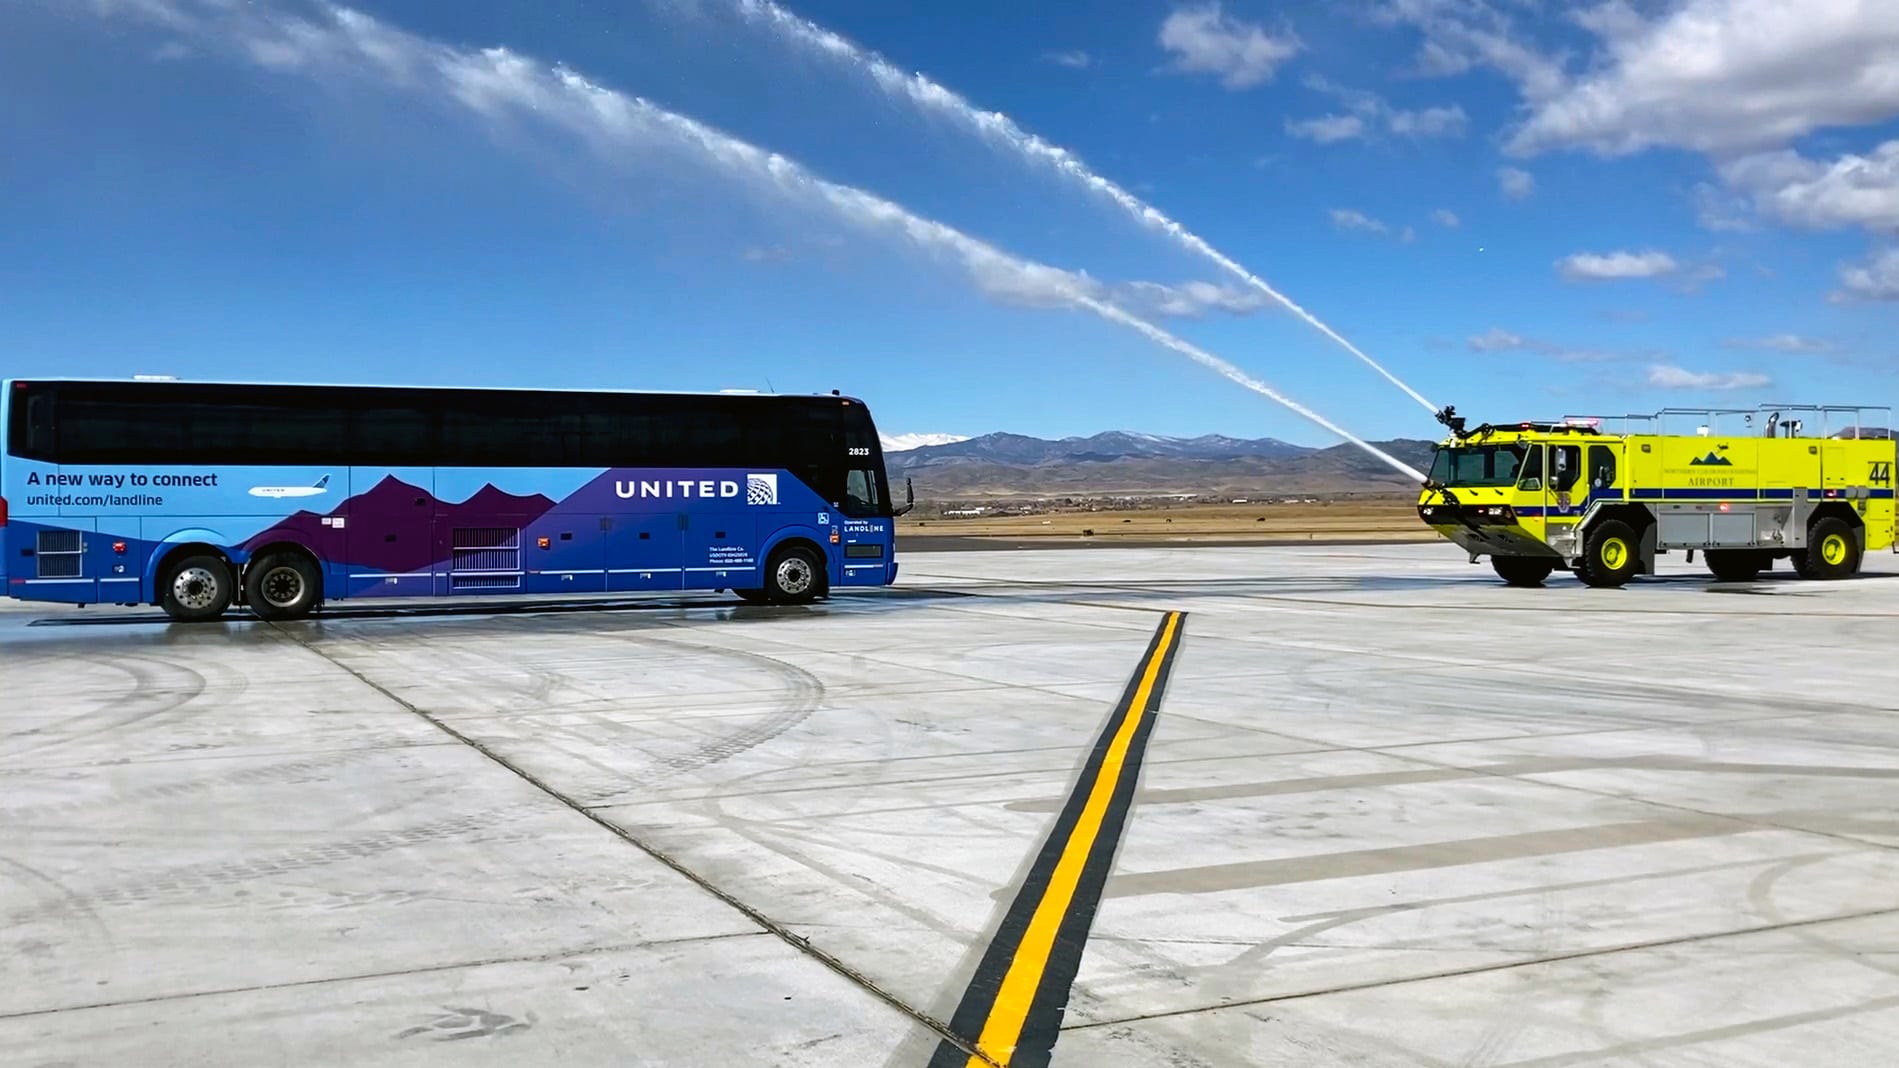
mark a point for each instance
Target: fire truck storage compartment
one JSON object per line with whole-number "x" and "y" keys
{"x": 1703, "y": 525}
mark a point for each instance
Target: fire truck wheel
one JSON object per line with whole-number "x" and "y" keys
{"x": 1522, "y": 570}
{"x": 1609, "y": 555}
{"x": 1832, "y": 550}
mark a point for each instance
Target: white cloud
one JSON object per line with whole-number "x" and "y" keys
{"x": 1461, "y": 35}
{"x": 1853, "y": 190}
{"x": 1875, "y": 280}
{"x": 1593, "y": 266}
{"x": 1368, "y": 111}
{"x": 1669, "y": 376}
{"x": 1515, "y": 183}
{"x": 1720, "y": 76}
{"x": 1782, "y": 343}
{"x": 1328, "y": 129}
{"x": 1347, "y": 219}
{"x": 1429, "y": 122}
{"x": 1499, "y": 340}
{"x": 1205, "y": 40}
{"x": 1076, "y": 58}
{"x": 1721, "y": 211}
{"x": 1192, "y": 299}
{"x": 906, "y": 442}
{"x": 1446, "y": 218}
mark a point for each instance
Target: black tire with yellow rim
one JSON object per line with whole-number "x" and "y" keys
{"x": 1609, "y": 554}
{"x": 1832, "y": 550}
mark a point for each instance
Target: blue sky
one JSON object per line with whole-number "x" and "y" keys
{"x": 1518, "y": 210}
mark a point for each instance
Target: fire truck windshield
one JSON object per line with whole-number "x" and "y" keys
{"x": 1477, "y": 465}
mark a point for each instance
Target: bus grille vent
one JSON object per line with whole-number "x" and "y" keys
{"x": 485, "y": 558}
{"x": 61, "y": 554}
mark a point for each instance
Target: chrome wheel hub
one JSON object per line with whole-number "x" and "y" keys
{"x": 195, "y": 588}
{"x": 794, "y": 576}
{"x": 281, "y": 586}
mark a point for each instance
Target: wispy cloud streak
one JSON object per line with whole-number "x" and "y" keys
{"x": 496, "y": 83}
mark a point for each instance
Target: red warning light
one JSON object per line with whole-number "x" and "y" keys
{"x": 544, "y": 543}
{"x": 118, "y": 547}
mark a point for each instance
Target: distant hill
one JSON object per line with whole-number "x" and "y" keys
{"x": 1127, "y": 463}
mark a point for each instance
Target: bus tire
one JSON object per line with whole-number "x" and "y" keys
{"x": 1524, "y": 571}
{"x": 1832, "y": 549}
{"x": 283, "y": 585}
{"x": 196, "y": 588}
{"x": 793, "y": 575}
{"x": 1609, "y": 555}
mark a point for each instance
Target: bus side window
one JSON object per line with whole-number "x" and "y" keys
{"x": 1601, "y": 466}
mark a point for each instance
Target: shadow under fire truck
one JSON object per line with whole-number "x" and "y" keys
{"x": 1538, "y": 497}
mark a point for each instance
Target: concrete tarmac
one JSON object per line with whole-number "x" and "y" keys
{"x": 1351, "y": 805}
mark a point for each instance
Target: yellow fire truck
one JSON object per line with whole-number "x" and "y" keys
{"x": 1538, "y": 497}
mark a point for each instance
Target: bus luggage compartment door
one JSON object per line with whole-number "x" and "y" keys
{"x": 391, "y": 550}
{"x": 642, "y": 551}
{"x": 719, "y": 550}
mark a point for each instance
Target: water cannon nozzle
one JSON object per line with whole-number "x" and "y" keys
{"x": 1451, "y": 419}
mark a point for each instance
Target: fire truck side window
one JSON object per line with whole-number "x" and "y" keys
{"x": 1601, "y": 465}
{"x": 1565, "y": 471}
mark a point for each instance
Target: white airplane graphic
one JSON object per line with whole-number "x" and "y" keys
{"x": 292, "y": 491}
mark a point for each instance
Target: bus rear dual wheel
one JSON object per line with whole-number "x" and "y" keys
{"x": 281, "y": 585}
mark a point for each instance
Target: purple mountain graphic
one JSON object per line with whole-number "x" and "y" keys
{"x": 399, "y": 527}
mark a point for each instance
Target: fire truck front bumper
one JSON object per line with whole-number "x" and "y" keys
{"x": 1485, "y": 530}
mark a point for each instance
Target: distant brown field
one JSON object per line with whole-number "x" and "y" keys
{"x": 1384, "y": 521}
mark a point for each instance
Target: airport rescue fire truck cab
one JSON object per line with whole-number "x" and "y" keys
{"x": 1540, "y": 497}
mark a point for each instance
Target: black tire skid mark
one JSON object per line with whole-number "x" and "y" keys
{"x": 292, "y": 773}
{"x": 200, "y": 882}
{"x": 1760, "y": 895}
{"x": 148, "y": 688}
{"x": 69, "y": 901}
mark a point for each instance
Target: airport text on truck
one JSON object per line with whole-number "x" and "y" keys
{"x": 199, "y": 496}
{"x": 1541, "y": 497}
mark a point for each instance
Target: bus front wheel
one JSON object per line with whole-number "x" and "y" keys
{"x": 793, "y": 575}
{"x": 197, "y": 588}
{"x": 283, "y": 585}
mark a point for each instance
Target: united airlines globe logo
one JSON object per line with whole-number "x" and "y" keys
{"x": 761, "y": 489}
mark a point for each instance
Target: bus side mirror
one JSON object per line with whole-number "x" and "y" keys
{"x": 909, "y": 497}
{"x": 1562, "y": 461}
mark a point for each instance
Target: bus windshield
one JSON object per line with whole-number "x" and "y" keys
{"x": 1477, "y": 465}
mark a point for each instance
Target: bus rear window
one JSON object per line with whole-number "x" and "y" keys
{"x": 30, "y": 422}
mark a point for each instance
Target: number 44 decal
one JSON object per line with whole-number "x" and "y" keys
{"x": 1881, "y": 474}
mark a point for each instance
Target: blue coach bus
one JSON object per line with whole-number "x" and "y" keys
{"x": 197, "y": 496}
